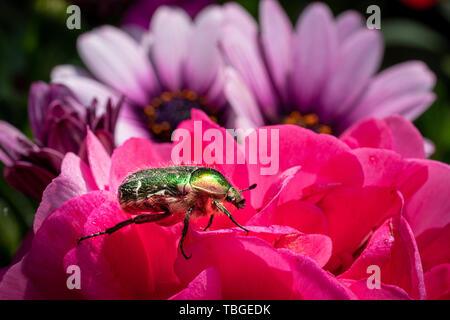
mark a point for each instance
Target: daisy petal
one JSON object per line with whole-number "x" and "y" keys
{"x": 359, "y": 58}
{"x": 242, "y": 53}
{"x": 314, "y": 53}
{"x": 241, "y": 99}
{"x": 276, "y": 36}
{"x": 403, "y": 88}
{"x": 171, "y": 29}
{"x": 114, "y": 57}
{"x": 203, "y": 60}
{"x": 347, "y": 23}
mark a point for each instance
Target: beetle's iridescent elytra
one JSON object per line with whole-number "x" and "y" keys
{"x": 176, "y": 191}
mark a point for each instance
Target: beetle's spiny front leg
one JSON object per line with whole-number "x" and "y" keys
{"x": 142, "y": 218}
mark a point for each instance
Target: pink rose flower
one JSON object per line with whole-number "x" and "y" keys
{"x": 335, "y": 207}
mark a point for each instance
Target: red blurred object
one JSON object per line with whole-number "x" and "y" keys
{"x": 420, "y": 4}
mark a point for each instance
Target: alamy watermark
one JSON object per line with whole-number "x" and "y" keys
{"x": 221, "y": 147}
{"x": 374, "y": 280}
{"x": 73, "y": 21}
{"x": 374, "y": 20}
{"x": 74, "y": 280}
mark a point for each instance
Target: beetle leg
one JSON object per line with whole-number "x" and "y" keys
{"x": 209, "y": 223}
{"x": 142, "y": 218}
{"x": 187, "y": 217}
{"x": 224, "y": 210}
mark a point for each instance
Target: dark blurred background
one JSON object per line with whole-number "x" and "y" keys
{"x": 34, "y": 39}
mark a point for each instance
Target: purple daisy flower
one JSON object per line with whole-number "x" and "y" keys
{"x": 320, "y": 74}
{"x": 163, "y": 72}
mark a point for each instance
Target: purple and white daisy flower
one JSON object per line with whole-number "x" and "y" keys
{"x": 163, "y": 72}
{"x": 320, "y": 74}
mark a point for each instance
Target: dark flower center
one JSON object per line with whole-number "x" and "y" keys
{"x": 168, "y": 110}
{"x": 308, "y": 121}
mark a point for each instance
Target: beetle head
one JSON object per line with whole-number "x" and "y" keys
{"x": 235, "y": 197}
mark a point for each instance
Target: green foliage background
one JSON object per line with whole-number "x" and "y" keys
{"x": 34, "y": 39}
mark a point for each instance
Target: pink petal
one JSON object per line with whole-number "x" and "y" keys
{"x": 392, "y": 133}
{"x": 276, "y": 37}
{"x": 430, "y": 244}
{"x": 316, "y": 246}
{"x": 318, "y": 155}
{"x": 269, "y": 200}
{"x": 359, "y": 210}
{"x": 99, "y": 160}
{"x": 386, "y": 292}
{"x": 392, "y": 248}
{"x": 235, "y": 170}
{"x": 75, "y": 180}
{"x": 388, "y": 169}
{"x": 429, "y": 207}
{"x": 251, "y": 268}
{"x": 301, "y": 215}
{"x": 134, "y": 155}
{"x": 172, "y": 29}
{"x": 405, "y": 253}
{"x": 370, "y": 133}
{"x": 437, "y": 281}
{"x": 407, "y": 139}
{"x": 377, "y": 252}
{"x": 315, "y": 47}
{"x": 206, "y": 286}
{"x": 15, "y": 285}
{"x": 135, "y": 262}
{"x": 43, "y": 265}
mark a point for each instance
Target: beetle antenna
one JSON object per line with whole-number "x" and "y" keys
{"x": 253, "y": 186}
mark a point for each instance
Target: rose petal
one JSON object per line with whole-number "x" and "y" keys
{"x": 99, "y": 160}
{"x": 75, "y": 180}
{"x": 437, "y": 281}
{"x": 241, "y": 260}
{"x": 423, "y": 215}
{"x": 385, "y": 292}
{"x": 206, "y": 286}
{"x": 134, "y": 155}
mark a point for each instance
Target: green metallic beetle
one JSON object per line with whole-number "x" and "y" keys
{"x": 176, "y": 191}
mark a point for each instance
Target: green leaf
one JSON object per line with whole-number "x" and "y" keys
{"x": 409, "y": 33}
